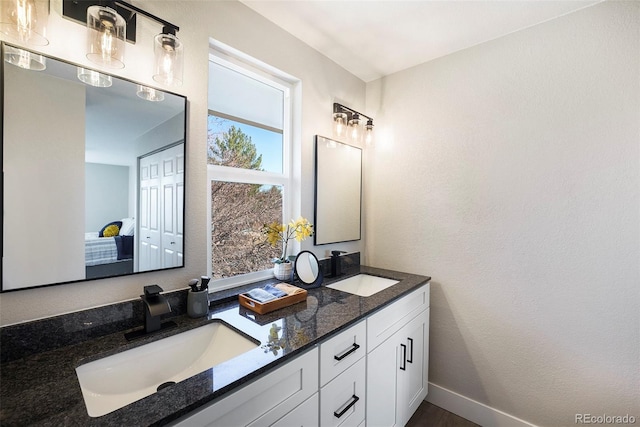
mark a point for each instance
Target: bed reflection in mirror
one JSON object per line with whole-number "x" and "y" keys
{"x": 93, "y": 177}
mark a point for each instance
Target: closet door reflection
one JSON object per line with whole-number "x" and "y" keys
{"x": 161, "y": 209}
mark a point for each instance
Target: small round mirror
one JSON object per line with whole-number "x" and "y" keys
{"x": 307, "y": 269}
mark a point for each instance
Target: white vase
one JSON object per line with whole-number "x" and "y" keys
{"x": 283, "y": 270}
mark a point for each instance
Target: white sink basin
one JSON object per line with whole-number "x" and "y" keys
{"x": 363, "y": 285}
{"x": 115, "y": 381}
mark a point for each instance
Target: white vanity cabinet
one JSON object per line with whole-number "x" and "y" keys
{"x": 397, "y": 360}
{"x": 372, "y": 374}
{"x": 286, "y": 396}
{"x": 343, "y": 378}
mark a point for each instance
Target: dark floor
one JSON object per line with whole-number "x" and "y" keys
{"x": 430, "y": 415}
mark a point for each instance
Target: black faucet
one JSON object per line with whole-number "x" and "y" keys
{"x": 335, "y": 263}
{"x": 155, "y": 305}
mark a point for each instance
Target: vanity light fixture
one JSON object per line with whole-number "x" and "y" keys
{"x": 24, "y": 59}
{"x": 150, "y": 94}
{"x": 94, "y": 78}
{"x": 25, "y": 21}
{"x": 347, "y": 122}
{"x": 169, "y": 58}
{"x": 113, "y": 21}
{"x": 106, "y": 30}
{"x": 368, "y": 133}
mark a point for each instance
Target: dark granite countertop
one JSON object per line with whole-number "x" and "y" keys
{"x": 42, "y": 389}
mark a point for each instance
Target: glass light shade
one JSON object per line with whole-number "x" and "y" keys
{"x": 355, "y": 129}
{"x": 339, "y": 124}
{"x": 24, "y": 59}
{"x": 106, "y": 31}
{"x": 169, "y": 60}
{"x": 25, "y": 20}
{"x": 94, "y": 78}
{"x": 368, "y": 133}
{"x": 150, "y": 94}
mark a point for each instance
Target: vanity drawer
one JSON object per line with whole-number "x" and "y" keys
{"x": 389, "y": 320}
{"x": 343, "y": 350}
{"x": 342, "y": 401}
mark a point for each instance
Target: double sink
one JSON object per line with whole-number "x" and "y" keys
{"x": 115, "y": 381}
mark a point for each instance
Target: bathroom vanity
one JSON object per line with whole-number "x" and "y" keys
{"x": 308, "y": 365}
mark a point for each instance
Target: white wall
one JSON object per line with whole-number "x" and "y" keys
{"x": 234, "y": 24}
{"x": 49, "y": 163}
{"x": 166, "y": 133}
{"x": 511, "y": 176}
{"x": 107, "y": 194}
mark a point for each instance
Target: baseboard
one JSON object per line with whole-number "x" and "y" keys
{"x": 476, "y": 412}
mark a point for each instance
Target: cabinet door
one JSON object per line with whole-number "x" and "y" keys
{"x": 382, "y": 377}
{"x": 397, "y": 374}
{"x": 413, "y": 380}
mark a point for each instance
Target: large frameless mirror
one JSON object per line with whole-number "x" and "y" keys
{"x": 93, "y": 182}
{"x": 338, "y": 192}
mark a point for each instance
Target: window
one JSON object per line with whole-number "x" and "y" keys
{"x": 248, "y": 167}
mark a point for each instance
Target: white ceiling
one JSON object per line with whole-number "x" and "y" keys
{"x": 374, "y": 38}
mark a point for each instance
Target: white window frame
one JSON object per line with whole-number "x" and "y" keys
{"x": 228, "y": 57}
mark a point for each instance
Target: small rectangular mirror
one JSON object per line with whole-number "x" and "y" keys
{"x": 338, "y": 195}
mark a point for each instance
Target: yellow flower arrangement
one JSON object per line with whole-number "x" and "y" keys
{"x": 275, "y": 233}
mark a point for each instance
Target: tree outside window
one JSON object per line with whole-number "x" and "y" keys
{"x": 239, "y": 210}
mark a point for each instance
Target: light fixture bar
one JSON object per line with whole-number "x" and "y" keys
{"x": 133, "y": 8}
{"x": 339, "y": 108}
{"x": 77, "y": 11}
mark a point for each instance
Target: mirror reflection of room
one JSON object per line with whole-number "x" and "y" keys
{"x": 105, "y": 191}
{"x": 338, "y": 195}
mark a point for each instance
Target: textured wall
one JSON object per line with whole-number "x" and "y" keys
{"x": 510, "y": 173}
{"x": 236, "y": 25}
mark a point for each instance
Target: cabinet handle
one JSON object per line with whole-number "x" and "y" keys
{"x": 410, "y": 359}
{"x": 404, "y": 357}
{"x": 353, "y": 348}
{"x": 354, "y": 399}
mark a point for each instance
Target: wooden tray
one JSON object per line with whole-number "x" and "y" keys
{"x": 275, "y": 304}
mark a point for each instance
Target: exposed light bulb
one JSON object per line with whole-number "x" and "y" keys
{"x": 354, "y": 128}
{"x": 105, "y": 39}
{"x": 169, "y": 59}
{"x": 339, "y": 124}
{"x": 25, "y": 20}
{"x": 24, "y": 14}
{"x": 368, "y": 133}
